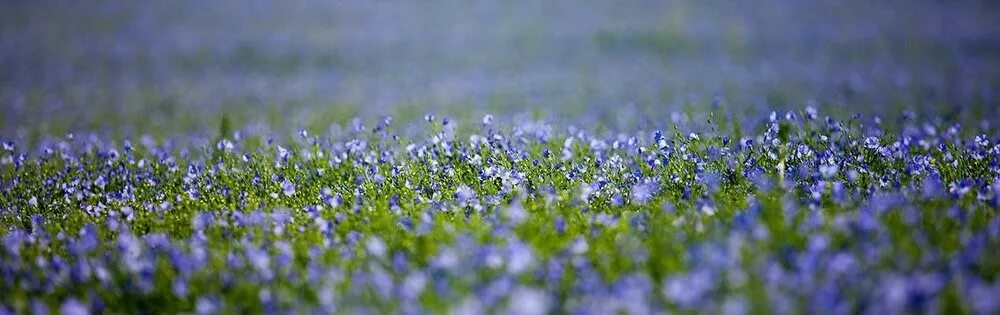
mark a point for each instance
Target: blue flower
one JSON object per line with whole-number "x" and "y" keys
{"x": 73, "y": 306}
{"x": 643, "y": 192}
{"x": 287, "y": 188}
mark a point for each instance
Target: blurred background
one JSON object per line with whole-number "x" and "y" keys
{"x": 126, "y": 68}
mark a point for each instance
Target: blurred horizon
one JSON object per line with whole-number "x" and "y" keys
{"x": 167, "y": 68}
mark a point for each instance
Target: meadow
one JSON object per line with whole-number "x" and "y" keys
{"x": 499, "y": 157}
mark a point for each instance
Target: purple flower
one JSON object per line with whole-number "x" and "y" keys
{"x": 413, "y": 285}
{"x": 376, "y": 247}
{"x": 529, "y": 301}
{"x": 519, "y": 257}
{"x": 205, "y": 306}
{"x": 828, "y": 170}
{"x": 72, "y": 306}
{"x": 87, "y": 242}
{"x": 287, "y": 188}
{"x": 643, "y": 192}
{"x": 463, "y": 194}
{"x": 688, "y": 290}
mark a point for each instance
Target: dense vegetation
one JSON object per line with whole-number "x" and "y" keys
{"x": 810, "y": 214}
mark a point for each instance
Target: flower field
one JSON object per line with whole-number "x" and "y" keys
{"x": 810, "y": 215}
{"x": 685, "y": 169}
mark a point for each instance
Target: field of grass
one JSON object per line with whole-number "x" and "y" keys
{"x": 501, "y": 157}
